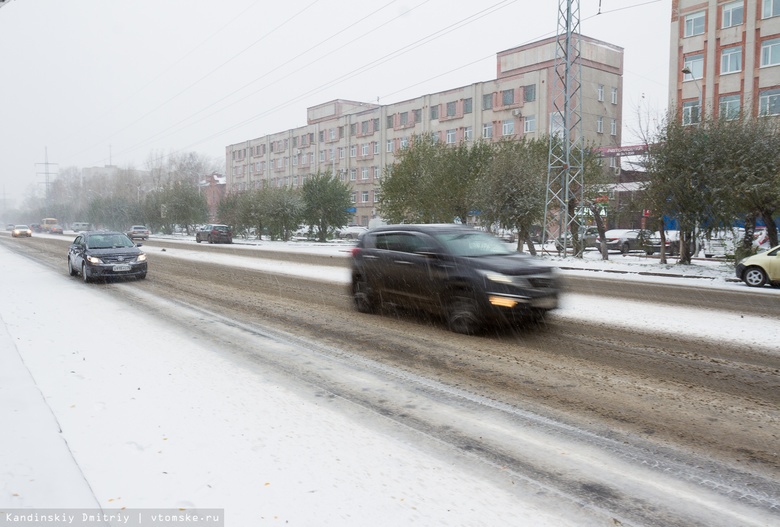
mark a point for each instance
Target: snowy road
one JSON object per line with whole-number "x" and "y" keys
{"x": 444, "y": 451}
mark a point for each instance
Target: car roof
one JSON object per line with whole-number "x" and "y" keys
{"x": 428, "y": 228}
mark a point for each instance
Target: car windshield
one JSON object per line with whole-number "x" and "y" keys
{"x": 472, "y": 244}
{"x": 108, "y": 241}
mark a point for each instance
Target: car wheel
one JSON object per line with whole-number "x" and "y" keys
{"x": 71, "y": 270}
{"x": 754, "y": 277}
{"x": 197, "y": 239}
{"x": 625, "y": 248}
{"x": 462, "y": 315}
{"x": 142, "y": 276}
{"x": 347, "y": 236}
{"x": 84, "y": 275}
{"x": 362, "y": 295}
{"x": 209, "y": 239}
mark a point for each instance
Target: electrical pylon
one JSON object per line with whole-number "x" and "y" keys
{"x": 566, "y": 156}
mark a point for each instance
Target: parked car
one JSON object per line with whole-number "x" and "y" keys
{"x": 55, "y": 229}
{"x": 138, "y": 232}
{"x": 469, "y": 277}
{"x": 79, "y": 226}
{"x": 722, "y": 242}
{"x": 589, "y": 237}
{"x": 106, "y": 254}
{"x": 21, "y": 231}
{"x": 214, "y": 233}
{"x": 626, "y": 240}
{"x": 761, "y": 269}
{"x": 351, "y": 232}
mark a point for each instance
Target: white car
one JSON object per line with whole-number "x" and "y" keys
{"x": 351, "y": 232}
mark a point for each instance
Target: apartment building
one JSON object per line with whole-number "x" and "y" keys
{"x": 357, "y": 140}
{"x": 725, "y": 58}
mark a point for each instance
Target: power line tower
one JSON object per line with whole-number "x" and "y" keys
{"x": 47, "y": 175}
{"x": 566, "y": 157}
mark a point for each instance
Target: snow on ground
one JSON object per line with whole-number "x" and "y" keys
{"x": 104, "y": 406}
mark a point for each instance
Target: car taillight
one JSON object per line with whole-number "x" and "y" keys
{"x": 355, "y": 251}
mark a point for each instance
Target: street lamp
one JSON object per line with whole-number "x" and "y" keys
{"x": 687, "y": 71}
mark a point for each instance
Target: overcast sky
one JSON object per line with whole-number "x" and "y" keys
{"x": 97, "y": 82}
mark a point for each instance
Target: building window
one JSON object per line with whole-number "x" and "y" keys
{"x": 365, "y": 196}
{"x": 342, "y": 152}
{"x": 733, "y": 14}
{"x": 353, "y": 197}
{"x": 769, "y": 102}
{"x": 364, "y": 128}
{"x": 600, "y": 124}
{"x": 353, "y": 151}
{"x": 487, "y": 101}
{"x": 404, "y": 118}
{"x": 321, "y": 136}
{"x": 690, "y": 112}
{"x": 404, "y": 142}
{"x": 508, "y": 97}
{"x": 332, "y": 134}
{"x": 322, "y": 156}
{"x": 468, "y": 133}
{"x": 614, "y": 95}
{"x": 508, "y": 127}
{"x": 694, "y": 24}
{"x": 731, "y": 60}
{"x": 600, "y": 94}
{"x": 613, "y": 127}
{"x": 695, "y": 64}
{"x": 451, "y": 108}
{"x": 364, "y": 173}
{"x": 529, "y": 93}
{"x": 364, "y": 149}
{"x": 417, "y": 115}
{"x": 487, "y": 130}
{"x": 771, "y": 8}
{"x": 556, "y": 123}
{"x": 353, "y": 129}
{"x": 451, "y": 136}
{"x": 376, "y": 125}
{"x": 770, "y": 52}
{"x": 376, "y": 147}
{"x": 353, "y": 174}
{"x": 729, "y": 107}
{"x": 467, "y": 103}
{"x": 435, "y": 111}
{"x": 389, "y": 147}
{"x": 529, "y": 124}
{"x": 376, "y": 172}
{"x": 390, "y": 121}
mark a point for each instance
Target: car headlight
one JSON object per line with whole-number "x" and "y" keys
{"x": 94, "y": 260}
{"x": 497, "y": 277}
{"x": 141, "y": 257}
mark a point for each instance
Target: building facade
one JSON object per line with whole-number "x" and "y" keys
{"x": 358, "y": 140}
{"x": 725, "y": 58}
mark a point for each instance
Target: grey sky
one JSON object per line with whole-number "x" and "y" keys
{"x": 89, "y": 79}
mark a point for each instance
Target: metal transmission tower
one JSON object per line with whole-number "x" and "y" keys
{"x": 566, "y": 154}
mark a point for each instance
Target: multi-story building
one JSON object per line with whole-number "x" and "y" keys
{"x": 725, "y": 58}
{"x": 358, "y": 140}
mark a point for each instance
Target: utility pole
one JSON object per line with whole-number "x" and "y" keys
{"x": 47, "y": 175}
{"x": 566, "y": 156}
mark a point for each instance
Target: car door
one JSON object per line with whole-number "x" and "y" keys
{"x": 76, "y": 251}
{"x": 773, "y": 265}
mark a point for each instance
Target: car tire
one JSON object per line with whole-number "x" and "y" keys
{"x": 209, "y": 239}
{"x": 348, "y": 237}
{"x": 754, "y": 277}
{"x": 71, "y": 270}
{"x": 84, "y": 275}
{"x": 462, "y": 315}
{"x": 625, "y": 248}
{"x": 142, "y": 276}
{"x": 362, "y": 296}
{"x": 197, "y": 239}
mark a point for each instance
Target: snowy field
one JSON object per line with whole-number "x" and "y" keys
{"x": 130, "y": 413}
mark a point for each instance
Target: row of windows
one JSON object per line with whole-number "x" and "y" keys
{"x": 732, "y": 14}
{"x": 730, "y": 106}
{"x": 731, "y": 59}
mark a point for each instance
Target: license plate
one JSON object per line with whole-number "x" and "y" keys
{"x": 121, "y": 267}
{"x": 547, "y": 302}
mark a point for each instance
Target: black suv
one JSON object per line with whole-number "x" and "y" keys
{"x": 470, "y": 277}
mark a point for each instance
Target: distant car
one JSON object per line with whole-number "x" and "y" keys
{"x": 721, "y": 243}
{"x": 21, "y": 231}
{"x": 9, "y": 226}
{"x": 761, "y": 269}
{"x": 55, "y": 229}
{"x": 105, "y": 254}
{"x": 36, "y": 227}
{"x": 351, "y": 232}
{"x": 138, "y": 232}
{"x": 468, "y": 276}
{"x": 214, "y": 233}
{"x": 589, "y": 237}
{"x": 79, "y": 226}
{"x": 627, "y": 240}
